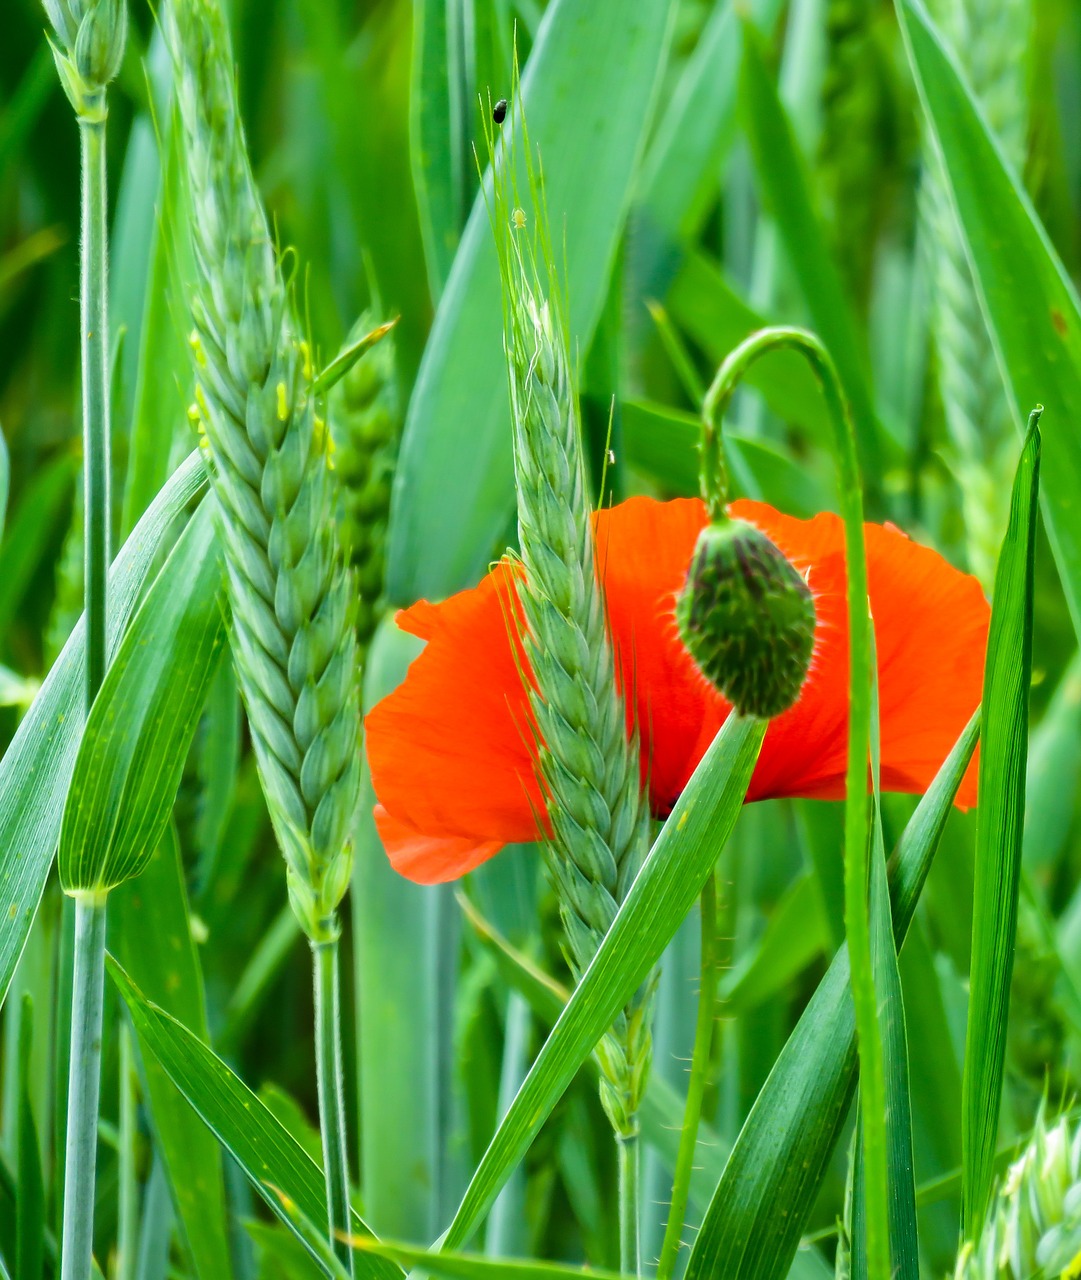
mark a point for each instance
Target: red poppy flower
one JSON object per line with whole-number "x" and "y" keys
{"x": 450, "y": 749}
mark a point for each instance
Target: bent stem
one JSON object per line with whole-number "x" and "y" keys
{"x": 630, "y": 1252}
{"x": 328, "y": 1069}
{"x": 84, "y": 1083}
{"x": 857, "y": 811}
{"x": 703, "y": 1042}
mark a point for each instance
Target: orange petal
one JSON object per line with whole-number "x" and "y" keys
{"x": 450, "y": 749}
{"x": 430, "y": 859}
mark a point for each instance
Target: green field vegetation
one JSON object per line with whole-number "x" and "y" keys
{"x": 295, "y": 333}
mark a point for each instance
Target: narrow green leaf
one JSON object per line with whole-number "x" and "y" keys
{"x": 38, "y": 764}
{"x": 141, "y": 724}
{"x": 588, "y": 89}
{"x": 663, "y": 892}
{"x": 1038, "y": 341}
{"x": 782, "y": 1151}
{"x": 150, "y": 933}
{"x": 999, "y": 831}
{"x": 436, "y": 165}
{"x": 782, "y": 175}
{"x": 268, "y": 1154}
{"x": 661, "y": 1113}
{"x": 687, "y": 154}
{"x": 903, "y": 1231}
{"x": 464, "y": 1266}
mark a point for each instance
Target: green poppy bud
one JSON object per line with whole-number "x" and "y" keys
{"x": 747, "y": 618}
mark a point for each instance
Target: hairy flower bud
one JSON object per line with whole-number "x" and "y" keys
{"x": 747, "y": 618}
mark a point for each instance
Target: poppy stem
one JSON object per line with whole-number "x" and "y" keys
{"x": 857, "y": 808}
{"x": 328, "y": 1066}
{"x": 630, "y": 1251}
{"x": 696, "y": 1083}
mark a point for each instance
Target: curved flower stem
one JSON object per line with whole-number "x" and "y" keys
{"x": 84, "y": 1083}
{"x": 857, "y": 809}
{"x": 703, "y": 1041}
{"x": 328, "y": 1068}
{"x": 630, "y": 1251}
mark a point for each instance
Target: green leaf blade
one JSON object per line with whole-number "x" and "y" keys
{"x": 999, "y": 834}
{"x": 267, "y": 1153}
{"x": 141, "y": 724}
{"x": 662, "y": 894}
{"x": 1029, "y": 302}
{"x": 38, "y": 764}
{"x": 782, "y": 1151}
{"x": 588, "y": 88}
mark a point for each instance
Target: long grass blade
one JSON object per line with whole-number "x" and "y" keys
{"x": 781, "y": 1154}
{"x": 999, "y": 835}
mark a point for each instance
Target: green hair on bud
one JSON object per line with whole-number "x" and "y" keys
{"x": 747, "y": 618}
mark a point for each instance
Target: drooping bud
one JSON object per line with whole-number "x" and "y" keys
{"x": 747, "y": 618}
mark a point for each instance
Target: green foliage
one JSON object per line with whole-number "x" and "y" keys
{"x": 139, "y": 729}
{"x": 902, "y": 179}
{"x": 999, "y": 833}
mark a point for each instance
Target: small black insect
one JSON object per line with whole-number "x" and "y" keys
{"x": 499, "y": 111}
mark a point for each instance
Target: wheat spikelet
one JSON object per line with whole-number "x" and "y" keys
{"x": 598, "y": 816}
{"x": 1033, "y": 1228}
{"x": 89, "y": 45}
{"x": 289, "y": 590}
{"x": 365, "y": 418}
{"x": 990, "y": 38}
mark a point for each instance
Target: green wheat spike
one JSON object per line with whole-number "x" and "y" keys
{"x": 365, "y": 415}
{"x": 290, "y": 591}
{"x": 1033, "y": 1228}
{"x": 599, "y": 817}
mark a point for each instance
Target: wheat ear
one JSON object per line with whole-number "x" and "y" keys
{"x": 289, "y": 588}
{"x": 290, "y": 593}
{"x": 365, "y": 415}
{"x": 598, "y": 816}
{"x": 1034, "y": 1224}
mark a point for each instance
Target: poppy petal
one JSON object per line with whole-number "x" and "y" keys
{"x": 430, "y": 859}
{"x": 451, "y": 750}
